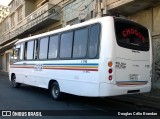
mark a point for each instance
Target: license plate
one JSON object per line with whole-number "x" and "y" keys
{"x": 134, "y": 77}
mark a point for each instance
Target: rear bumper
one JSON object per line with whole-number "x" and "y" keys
{"x": 112, "y": 89}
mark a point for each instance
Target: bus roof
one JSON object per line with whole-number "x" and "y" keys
{"x": 68, "y": 27}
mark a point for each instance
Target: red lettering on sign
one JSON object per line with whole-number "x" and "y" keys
{"x": 131, "y": 31}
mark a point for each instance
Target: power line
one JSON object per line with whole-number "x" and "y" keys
{"x": 75, "y": 9}
{"x": 87, "y": 7}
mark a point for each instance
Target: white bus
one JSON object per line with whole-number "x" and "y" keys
{"x": 101, "y": 57}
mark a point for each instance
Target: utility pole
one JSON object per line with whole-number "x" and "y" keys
{"x": 99, "y": 12}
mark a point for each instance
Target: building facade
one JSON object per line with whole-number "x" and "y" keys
{"x": 31, "y": 17}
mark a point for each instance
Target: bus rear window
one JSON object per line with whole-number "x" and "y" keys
{"x": 131, "y": 35}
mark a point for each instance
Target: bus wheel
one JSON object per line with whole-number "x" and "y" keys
{"x": 55, "y": 91}
{"x": 14, "y": 83}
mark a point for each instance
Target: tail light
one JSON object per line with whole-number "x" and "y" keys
{"x": 110, "y": 77}
{"x": 110, "y": 71}
{"x": 110, "y": 64}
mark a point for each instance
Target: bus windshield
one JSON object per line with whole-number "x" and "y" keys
{"x": 131, "y": 35}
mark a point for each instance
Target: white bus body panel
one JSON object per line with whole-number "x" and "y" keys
{"x": 90, "y": 83}
{"x": 78, "y": 82}
{"x": 113, "y": 90}
{"x": 131, "y": 68}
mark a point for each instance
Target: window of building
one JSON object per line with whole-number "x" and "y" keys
{"x": 80, "y": 43}
{"x": 43, "y": 48}
{"x": 12, "y": 5}
{"x": 94, "y": 41}
{"x": 12, "y": 21}
{"x": 66, "y": 45}
{"x": 53, "y": 47}
{"x": 6, "y": 26}
{"x": 29, "y": 50}
{"x": 17, "y": 3}
{"x": 20, "y": 14}
{"x": 92, "y": 14}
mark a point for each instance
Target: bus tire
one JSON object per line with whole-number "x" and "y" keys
{"x": 14, "y": 83}
{"x": 55, "y": 91}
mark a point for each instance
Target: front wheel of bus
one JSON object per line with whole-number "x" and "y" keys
{"x": 14, "y": 83}
{"x": 55, "y": 91}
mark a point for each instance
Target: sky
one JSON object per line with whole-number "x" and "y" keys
{"x": 5, "y": 2}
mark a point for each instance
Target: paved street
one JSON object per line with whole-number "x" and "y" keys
{"x": 32, "y": 98}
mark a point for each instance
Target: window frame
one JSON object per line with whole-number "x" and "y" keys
{"x": 19, "y": 52}
{"x": 12, "y": 20}
{"x": 86, "y": 54}
{"x": 39, "y": 41}
{"x": 19, "y": 14}
{"x": 65, "y": 58}
{"x": 99, "y": 40}
{"x": 36, "y": 50}
{"x": 129, "y": 46}
{"x": 25, "y": 50}
{"x": 58, "y": 47}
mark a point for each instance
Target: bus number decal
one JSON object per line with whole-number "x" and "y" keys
{"x": 83, "y": 61}
{"x": 38, "y": 67}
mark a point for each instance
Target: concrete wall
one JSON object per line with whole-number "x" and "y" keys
{"x": 77, "y": 10}
{"x": 156, "y": 44}
{"x": 156, "y": 21}
{"x": 151, "y": 19}
{"x": 143, "y": 17}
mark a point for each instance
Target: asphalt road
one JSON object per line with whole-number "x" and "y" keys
{"x": 28, "y": 98}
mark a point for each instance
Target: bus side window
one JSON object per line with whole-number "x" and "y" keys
{"x": 66, "y": 45}
{"x": 80, "y": 43}
{"x": 94, "y": 41}
{"x": 21, "y": 51}
{"x": 53, "y": 47}
{"x": 28, "y": 54}
{"x": 43, "y": 48}
{"x": 35, "y": 49}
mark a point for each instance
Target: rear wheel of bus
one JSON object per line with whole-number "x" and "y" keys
{"x": 14, "y": 83}
{"x": 55, "y": 91}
